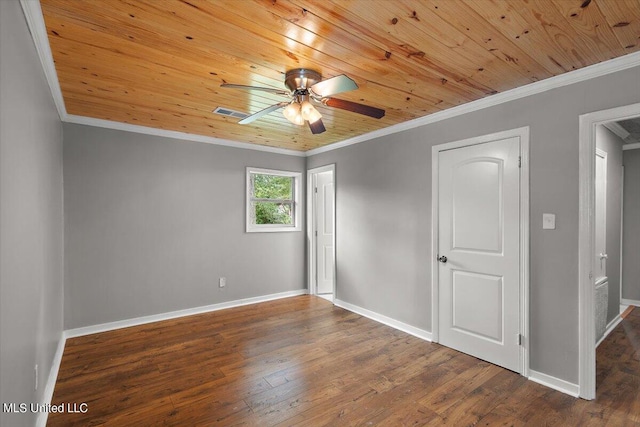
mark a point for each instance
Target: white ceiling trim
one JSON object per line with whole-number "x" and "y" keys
{"x": 631, "y": 146}
{"x": 35, "y": 21}
{"x": 617, "y": 129}
{"x": 596, "y": 70}
{"x": 108, "y": 124}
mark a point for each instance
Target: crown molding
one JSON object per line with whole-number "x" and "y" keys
{"x": 35, "y": 21}
{"x": 622, "y": 134}
{"x": 108, "y": 124}
{"x": 38, "y": 30}
{"x": 631, "y": 146}
{"x": 617, "y": 129}
{"x": 592, "y": 71}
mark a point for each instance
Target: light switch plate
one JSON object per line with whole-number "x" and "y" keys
{"x": 548, "y": 221}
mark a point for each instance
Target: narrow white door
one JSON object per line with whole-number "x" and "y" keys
{"x": 479, "y": 251}
{"x": 600, "y": 262}
{"x": 324, "y": 232}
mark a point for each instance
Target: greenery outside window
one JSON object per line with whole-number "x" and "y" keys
{"x": 272, "y": 200}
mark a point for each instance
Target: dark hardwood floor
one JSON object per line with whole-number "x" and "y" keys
{"x": 301, "y": 361}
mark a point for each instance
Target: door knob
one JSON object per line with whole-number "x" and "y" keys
{"x": 442, "y": 259}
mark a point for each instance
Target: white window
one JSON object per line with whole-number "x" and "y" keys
{"x": 273, "y": 200}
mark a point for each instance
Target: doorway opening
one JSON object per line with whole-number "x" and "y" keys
{"x": 321, "y": 236}
{"x": 593, "y": 254}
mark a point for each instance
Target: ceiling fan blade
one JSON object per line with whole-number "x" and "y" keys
{"x": 354, "y": 107}
{"x": 263, "y": 89}
{"x": 334, "y": 85}
{"x": 317, "y": 127}
{"x": 256, "y": 116}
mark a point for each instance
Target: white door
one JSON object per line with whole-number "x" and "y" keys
{"x": 600, "y": 263}
{"x": 324, "y": 232}
{"x": 479, "y": 234}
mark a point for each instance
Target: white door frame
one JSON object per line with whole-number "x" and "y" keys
{"x": 586, "y": 241}
{"x": 523, "y": 134}
{"x": 311, "y": 237}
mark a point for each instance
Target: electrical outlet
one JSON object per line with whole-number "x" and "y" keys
{"x": 223, "y": 282}
{"x": 35, "y": 369}
{"x": 548, "y": 221}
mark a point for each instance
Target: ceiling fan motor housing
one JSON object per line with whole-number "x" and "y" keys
{"x": 301, "y": 79}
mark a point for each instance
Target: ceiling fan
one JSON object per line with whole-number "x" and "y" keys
{"x": 306, "y": 87}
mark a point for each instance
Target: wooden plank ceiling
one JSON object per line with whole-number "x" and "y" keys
{"x": 160, "y": 63}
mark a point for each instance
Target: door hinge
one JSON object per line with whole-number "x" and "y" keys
{"x": 316, "y": 233}
{"x": 315, "y": 190}
{"x": 519, "y": 161}
{"x": 520, "y": 339}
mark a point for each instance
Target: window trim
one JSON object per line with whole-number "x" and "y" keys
{"x": 270, "y": 228}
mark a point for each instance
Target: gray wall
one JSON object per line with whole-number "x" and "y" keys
{"x": 151, "y": 224}
{"x": 631, "y": 238}
{"x": 31, "y": 219}
{"x": 383, "y": 191}
{"x": 612, "y": 145}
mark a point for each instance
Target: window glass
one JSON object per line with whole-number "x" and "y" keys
{"x": 272, "y": 200}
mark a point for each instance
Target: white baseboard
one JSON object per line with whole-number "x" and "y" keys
{"x": 411, "y": 330}
{"x": 610, "y": 327}
{"x": 538, "y": 377}
{"x": 94, "y": 329}
{"x": 41, "y": 421}
{"x": 554, "y": 383}
{"x": 633, "y": 302}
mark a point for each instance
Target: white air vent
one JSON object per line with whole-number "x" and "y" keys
{"x": 231, "y": 113}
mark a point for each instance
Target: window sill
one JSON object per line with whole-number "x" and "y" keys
{"x": 274, "y": 229}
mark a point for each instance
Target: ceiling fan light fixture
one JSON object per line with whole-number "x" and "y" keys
{"x": 298, "y": 120}
{"x": 309, "y": 112}
{"x": 291, "y": 111}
